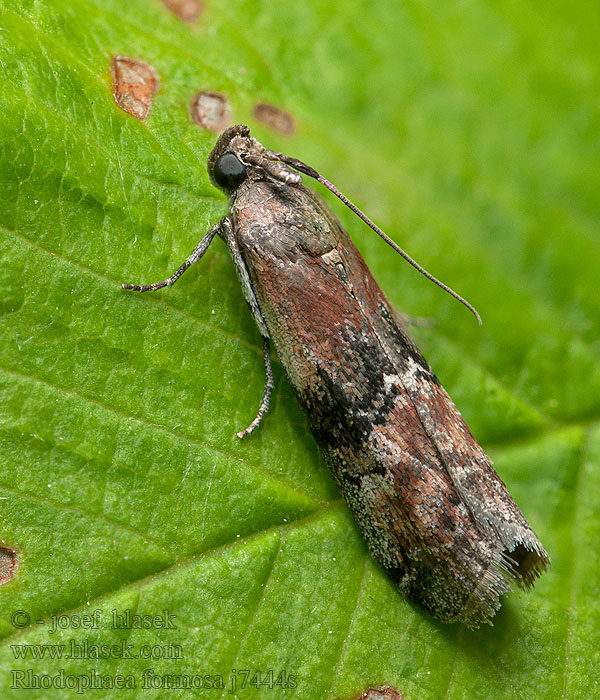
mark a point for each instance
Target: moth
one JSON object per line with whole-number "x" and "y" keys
{"x": 433, "y": 511}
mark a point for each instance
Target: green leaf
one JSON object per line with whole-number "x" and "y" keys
{"x": 471, "y": 134}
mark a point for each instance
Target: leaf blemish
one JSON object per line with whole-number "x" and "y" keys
{"x": 276, "y": 118}
{"x": 211, "y": 111}
{"x": 383, "y": 693}
{"x": 134, "y": 84}
{"x": 8, "y": 564}
{"x": 187, "y": 10}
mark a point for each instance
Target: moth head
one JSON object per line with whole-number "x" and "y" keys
{"x": 237, "y": 157}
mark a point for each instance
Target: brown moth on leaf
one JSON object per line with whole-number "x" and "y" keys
{"x": 433, "y": 511}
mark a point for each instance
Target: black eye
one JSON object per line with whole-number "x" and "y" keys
{"x": 229, "y": 172}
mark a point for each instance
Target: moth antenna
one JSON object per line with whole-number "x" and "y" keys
{"x": 311, "y": 172}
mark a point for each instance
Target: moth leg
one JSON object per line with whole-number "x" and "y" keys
{"x": 269, "y": 384}
{"x": 195, "y": 255}
{"x": 226, "y": 233}
{"x": 228, "y": 236}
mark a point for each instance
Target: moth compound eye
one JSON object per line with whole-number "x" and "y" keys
{"x": 229, "y": 172}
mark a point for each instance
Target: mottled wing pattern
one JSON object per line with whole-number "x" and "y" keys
{"x": 489, "y": 534}
{"x": 431, "y": 507}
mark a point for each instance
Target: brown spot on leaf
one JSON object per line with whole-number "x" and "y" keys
{"x": 187, "y": 10}
{"x": 133, "y": 86}
{"x": 211, "y": 111}
{"x": 383, "y": 693}
{"x": 8, "y": 564}
{"x": 276, "y": 118}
